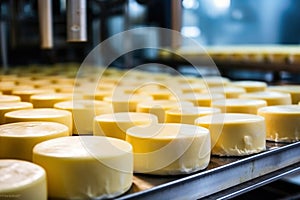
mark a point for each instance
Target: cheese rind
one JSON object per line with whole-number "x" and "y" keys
{"x": 116, "y": 124}
{"x": 22, "y": 180}
{"x": 18, "y": 139}
{"x": 234, "y": 134}
{"x": 169, "y": 148}
{"x": 41, "y": 114}
{"x": 282, "y": 122}
{"x": 86, "y": 167}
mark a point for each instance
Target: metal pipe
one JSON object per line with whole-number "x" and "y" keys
{"x": 45, "y": 21}
{"x": 3, "y": 42}
{"x": 176, "y": 23}
{"x": 76, "y": 21}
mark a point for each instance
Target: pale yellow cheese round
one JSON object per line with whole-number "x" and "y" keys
{"x": 228, "y": 91}
{"x": 272, "y": 98}
{"x": 41, "y": 114}
{"x": 250, "y": 86}
{"x": 22, "y": 180}
{"x": 249, "y": 106}
{"x": 18, "y": 139}
{"x": 126, "y": 102}
{"x": 83, "y": 113}
{"x": 293, "y": 90}
{"x": 215, "y": 81}
{"x": 188, "y": 115}
{"x": 169, "y": 148}
{"x": 97, "y": 95}
{"x": 12, "y": 106}
{"x": 116, "y": 124}
{"x": 234, "y": 134}
{"x": 85, "y": 167}
{"x": 282, "y": 122}
{"x": 48, "y": 100}
{"x": 25, "y": 94}
{"x": 159, "y": 107}
{"x": 200, "y": 99}
{"x": 9, "y": 98}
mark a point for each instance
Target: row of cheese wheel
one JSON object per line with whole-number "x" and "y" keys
{"x": 96, "y": 166}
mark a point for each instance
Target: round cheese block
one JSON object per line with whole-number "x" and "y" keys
{"x": 169, "y": 148}
{"x": 250, "y": 86}
{"x": 272, "y": 98}
{"x": 282, "y": 122}
{"x": 116, "y": 124}
{"x": 25, "y": 94}
{"x": 200, "y": 99}
{"x": 215, "y": 81}
{"x": 41, "y": 114}
{"x": 48, "y": 100}
{"x": 97, "y": 95}
{"x": 293, "y": 90}
{"x": 126, "y": 102}
{"x": 18, "y": 139}
{"x": 188, "y": 115}
{"x": 228, "y": 91}
{"x": 249, "y": 106}
{"x": 8, "y": 107}
{"x": 234, "y": 134}
{"x": 85, "y": 167}
{"x": 83, "y": 113}
{"x": 22, "y": 180}
{"x": 9, "y": 98}
{"x": 159, "y": 107}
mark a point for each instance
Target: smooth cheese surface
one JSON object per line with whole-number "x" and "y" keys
{"x": 41, "y": 114}
{"x": 188, "y": 115}
{"x": 9, "y": 98}
{"x": 84, "y": 112}
{"x": 18, "y": 139}
{"x": 12, "y": 106}
{"x": 48, "y": 100}
{"x": 282, "y": 122}
{"x": 293, "y": 90}
{"x": 228, "y": 91}
{"x": 86, "y": 167}
{"x": 250, "y": 86}
{"x": 116, "y": 124}
{"x": 169, "y": 148}
{"x": 200, "y": 99}
{"x": 22, "y": 180}
{"x": 272, "y": 98}
{"x": 239, "y": 105}
{"x": 234, "y": 134}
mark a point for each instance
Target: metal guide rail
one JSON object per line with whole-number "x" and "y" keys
{"x": 224, "y": 177}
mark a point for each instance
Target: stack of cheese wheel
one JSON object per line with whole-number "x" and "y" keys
{"x": 85, "y": 167}
{"x": 22, "y": 180}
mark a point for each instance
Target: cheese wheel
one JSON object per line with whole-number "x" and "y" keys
{"x": 234, "y": 134}
{"x": 41, "y": 114}
{"x": 169, "y": 148}
{"x": 126, "y": 102}
{"x": 250, "y": 86}
{"x": 86, "y": 167}
{"x": 215, "y": 81}
{"x": 97, "y": 95}
{"x": 25, "y": 94}
{"x": 7, "y": 87}
{"x": 272, "y": 98}
{"x": 228, "y": 91}
{"x": 249, "y": 106}
{"x": 8, "y": 107}
{"x": 188, "y": 115}
{"x": 282, "y": 122}
{"x": 22, "y": 180}
{"x": 83, "y": 113}
{"x": 18, "y": 139}
{"x": 116, "y": 124}
{"x": 203, "y": 99}
{"x": 9, "y": 98}
{"x": 293, "y": 90}
{"x": 48, "y": 100}
{"x": 159, "y": 107}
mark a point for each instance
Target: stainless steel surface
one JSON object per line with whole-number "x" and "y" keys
{"x": 76, "y": 21}
{"x": 222, "y": 173}
{"x": 45, "y": 22}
